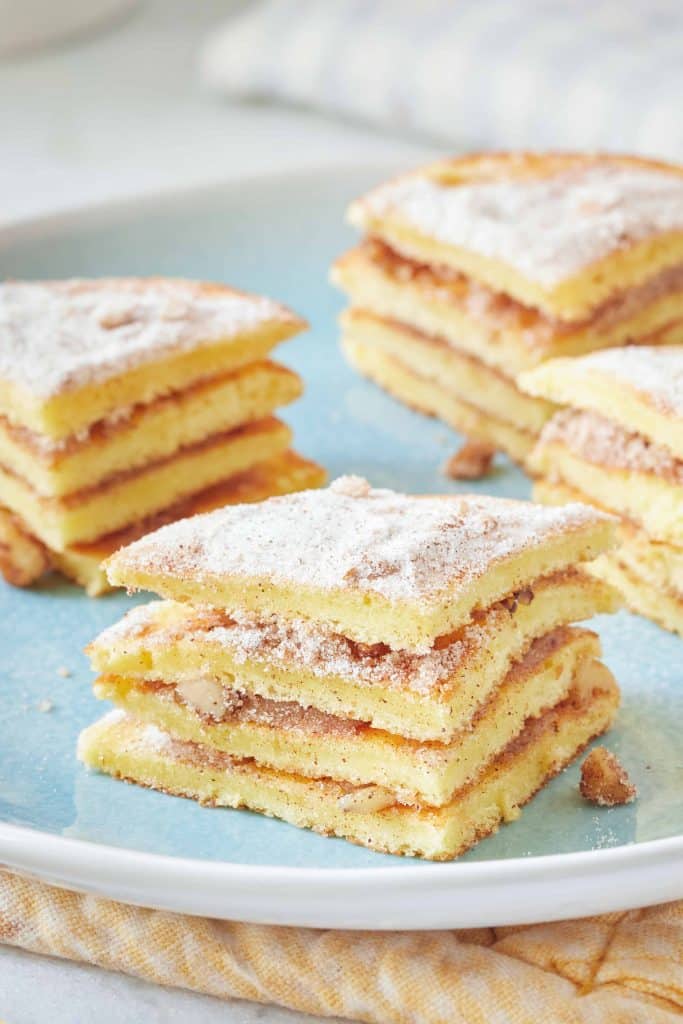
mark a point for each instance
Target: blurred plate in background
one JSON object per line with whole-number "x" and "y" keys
{"x": 27, "y": 25}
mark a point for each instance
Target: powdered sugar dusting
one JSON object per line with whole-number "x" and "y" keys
{"x": 351, "y": 486}
{"x": 655, "y": 372}
{"x": 136, "y": 623}
{"x": 547, "y": 228}
{"x": 152, "y": 737}
{"x": 605, "y": 443}
{"x": 402, "y": 547}
{"x": 61, "y": 335}
{"x": 149, "y": 738}
{"x": 326, "y": 653}
{"x": 312, "y": 647}
{"x": 113, "y": 717}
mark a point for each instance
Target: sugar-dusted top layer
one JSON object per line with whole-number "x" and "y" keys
{"x": 604, "y": 443}
{"x": 655, "y": 372}
{"x": 62, "y": 335}
{"x": 352, "y": 537}
{"x": 548, "y": 228}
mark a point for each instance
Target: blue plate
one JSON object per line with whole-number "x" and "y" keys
{"x": 278, "y": 236}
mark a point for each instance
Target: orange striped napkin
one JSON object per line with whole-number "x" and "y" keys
{"x": 624, "y": 968}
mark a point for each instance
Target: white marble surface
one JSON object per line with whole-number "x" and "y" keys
{"x": 117, "y": 114}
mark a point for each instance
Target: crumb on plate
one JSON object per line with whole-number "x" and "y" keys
{"x": 471, "y": 462}
{"x": 604, "y": 780}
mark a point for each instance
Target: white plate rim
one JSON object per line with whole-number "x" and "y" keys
{"x": 545, "y": 888}
{"x": 518, "y": 890}
{"x": 156, "y": 198}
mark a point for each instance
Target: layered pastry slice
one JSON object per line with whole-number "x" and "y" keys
{"x": 82, "y": 563}
{"x": 123, "y": 400}
{"x": 399, "y": 671}
{"x": 475, "y": 269}
{"x": 619, "y": 444}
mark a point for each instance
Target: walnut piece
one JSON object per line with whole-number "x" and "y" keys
{"x": 512, "y": 602}
{"x": 604, "y": 781}
{"x": 23, "y": 559}
{"x": 471, "y": 462}
{"x": 208, "y": 697}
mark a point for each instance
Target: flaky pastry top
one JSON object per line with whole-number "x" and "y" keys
{"x": 58, "y": 336}
{"x": 353, "y": 537}
{"x": 549, "y": 223}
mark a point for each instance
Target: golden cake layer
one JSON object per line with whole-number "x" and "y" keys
{"x": 372, "y": 816}
{"x": 24, "y": 559}
{"x": 452, "y": 370}
{"x": 298, "y": 740}
{"x": 648, "y": 573}
{"x": 281, "y": 474}
{"x": 561, "y": 233}
{"x": 376, "y": 566}
{"x": 428, "y": 696}
{"x": 445, "y": 304}
{"x": 129, "y": 497}
{"x": 640, "y": 388}
{"x": 620, "y": 471}
{"x": 147, "y": 433}
{"x": 74, "y": 352}
{"x": 424, "y": 395}
{"x": 662, "y": 606}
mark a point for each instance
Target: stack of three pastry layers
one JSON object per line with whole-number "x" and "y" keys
{"x": 126, "y": 403}
{"x": 618, "y": 444}
{"x": 476, "y": 269}
{"x": 396, "y": 670}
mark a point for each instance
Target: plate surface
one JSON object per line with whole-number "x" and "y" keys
{"x": 562, "y": 858}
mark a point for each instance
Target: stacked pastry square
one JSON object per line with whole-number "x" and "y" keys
{"x": 399, "y": 671}
{"x": 125, "y": 403}
{"x": 619, "y": 445}
{"x": 476, "y": 269}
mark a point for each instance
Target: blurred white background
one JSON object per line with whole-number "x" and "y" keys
{"x": 120, "y": 111}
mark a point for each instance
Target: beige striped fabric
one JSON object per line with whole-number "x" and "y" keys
{"x": 620, "y": 968}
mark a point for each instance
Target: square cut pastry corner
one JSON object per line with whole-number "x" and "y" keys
{"x": 475, "y": 270}
{"x": 126, "y": 403}
{"x": 402, "y": 671}
{"x": 560, "y": 232}
{"x": 617, "y": 442}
